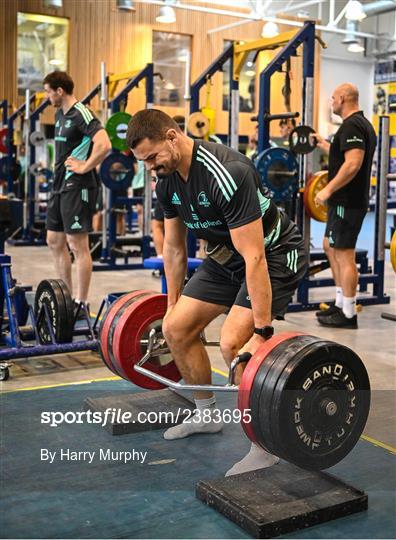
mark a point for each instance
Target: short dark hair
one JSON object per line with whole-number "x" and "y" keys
{"x": 60, "y": 79}
{"x": 151, "y": 124}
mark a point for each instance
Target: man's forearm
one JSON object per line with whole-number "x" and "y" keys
{"x": 99, "y": 152}
{"x": 175, "y": 265}
{"x": 260, "y": 292}
{"x": 345, "y": 174}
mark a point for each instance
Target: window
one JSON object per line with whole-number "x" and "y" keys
{"x": 247, "y": 83}
{"x": 170, "y": 53}
{"x": 42, "y": 47}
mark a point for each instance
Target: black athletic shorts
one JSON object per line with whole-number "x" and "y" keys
{"x": 71, "y": 211}
{"x": 343, "y": 226}
{"x": 226, "y": 285}
{"x": 158, "y": 212}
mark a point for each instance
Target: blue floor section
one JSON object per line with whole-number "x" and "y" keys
{"x": 151, "y": 500}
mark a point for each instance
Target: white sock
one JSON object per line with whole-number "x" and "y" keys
{"x": 339, "y": 297}
{"x": 256, "y": 458}
{"x": 206, "y": 419}
{"x": 349, "y": 306}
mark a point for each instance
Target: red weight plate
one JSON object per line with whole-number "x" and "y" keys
{"x": 250, "y": 372}
{"x": 131, "y": 327}
{"x": 3, "y": 141}
{"x": 110, "y": 337}
{"x": 108, "y": 319}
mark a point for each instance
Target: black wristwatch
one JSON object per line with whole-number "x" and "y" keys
{"x": 265, "y": 332}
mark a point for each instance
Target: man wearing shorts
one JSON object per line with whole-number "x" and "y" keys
{"x": 347, "y": 195}
{"x": 81, "y": 143}
{"x": 255, "y": 256}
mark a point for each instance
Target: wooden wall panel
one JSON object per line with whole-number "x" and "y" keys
{"x": 99, "y": 31}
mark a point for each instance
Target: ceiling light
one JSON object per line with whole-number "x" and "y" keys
{"x": 169, "y": 86}
{"x": 355, "y": 47}
{"x": 125, "y": 5}
{"x": 249, "y": 64}
{"x": 53, "y": 3}
{"x": 270, "y": 30}
{"x": 55, "y": 62}
{"x": 354, "y": 11}
{"x": 166, "y": 15}
{"x": 250, "y": 73}
{"x": 303, "y": 14}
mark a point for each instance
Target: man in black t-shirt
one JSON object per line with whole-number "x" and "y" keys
{"x": 81, "y": 143}
{"x": 255, "y": 257}
{"x": 347, "y": 195}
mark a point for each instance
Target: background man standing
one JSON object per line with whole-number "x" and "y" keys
{"x": 347, "y": 195}
{"x": 81, "y": 143}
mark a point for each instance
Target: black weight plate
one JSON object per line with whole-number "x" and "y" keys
{"x": 301, "y": 140}
{"x": 49, "y": 291}
{"x": 66, "y": 314}
{"x": 320, "y": 406}
{"x": 113, "y": 327}
{"x": 262, "y": 390}
{"x": 9, "y": 167}
{"x": 116, "y": 171}
{"x": 69, "y": 303}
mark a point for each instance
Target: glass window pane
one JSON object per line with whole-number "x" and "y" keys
{"x": 170, "y": 52}
{"x": 247, "y": 83}
{"x": 42, "y": 47}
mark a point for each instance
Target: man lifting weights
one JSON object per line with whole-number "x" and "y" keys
{"x": 255, "y": 256}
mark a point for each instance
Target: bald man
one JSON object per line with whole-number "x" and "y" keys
{"x": 347, "y": 196}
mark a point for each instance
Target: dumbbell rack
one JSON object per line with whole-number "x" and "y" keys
{"x": 18, "y": 341}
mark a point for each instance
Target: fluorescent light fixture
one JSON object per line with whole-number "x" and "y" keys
{"x": 354, "y": 11}
{"x": 355, "y": 47}
{"x": 55, "y": 62}
{"x": 125, "y": 5}
{"x": 166, "y": 15}
{"x": 270, "y": 29}
{"x": 53, "y": 3}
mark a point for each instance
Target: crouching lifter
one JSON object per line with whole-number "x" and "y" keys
{"x": 255, "y": 256}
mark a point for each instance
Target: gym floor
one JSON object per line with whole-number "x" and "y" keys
{"x": 156, "y": 498}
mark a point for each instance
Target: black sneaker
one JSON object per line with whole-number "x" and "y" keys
{"x": 81, "y": 311}
{"x": 338, "y": 320}
{"x": 329, "y": 311}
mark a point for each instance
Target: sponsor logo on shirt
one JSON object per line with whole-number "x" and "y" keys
{"x": 203, "y": 224}
{"x": 175, "y": 198}
{"x": 203, "y": 200}
{"x": 354, "y": 139}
